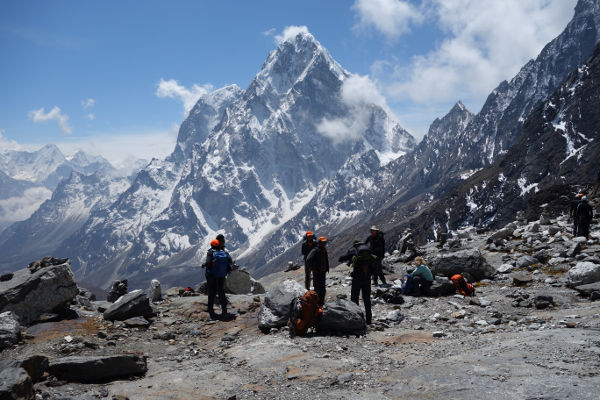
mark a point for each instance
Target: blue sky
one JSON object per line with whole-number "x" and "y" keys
{"x": 85, "y": 74}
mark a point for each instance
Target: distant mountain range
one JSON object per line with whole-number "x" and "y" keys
{"x": 301, "y": 148}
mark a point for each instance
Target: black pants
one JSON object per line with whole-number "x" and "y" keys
{"x": 583, "y": 229}
{"x": 421, "y": 286}
{"x": 364, "y": 286}
{"x": 574, "y": 227}
{"x": 319, "y": 284}
{"x": 216, "y": 286}
{"x": 306, "y": 277}
{"x": 378, "y": 272}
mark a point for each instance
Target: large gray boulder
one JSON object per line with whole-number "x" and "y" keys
{"x": 501, "y": 234}
{"x": 98, "y": 368}
{"x": 582, "y": 273}
{"x": 342, "y": 316}
{"x": 29, "y": 295}
{"x": 133, "y": 304}
{"x": 10, "y": 330}
{"x": 15, "y": 383}
{"x": 470, "y": 261}
{"x": 238, "y": 281}
{"x": 275, "y": 310}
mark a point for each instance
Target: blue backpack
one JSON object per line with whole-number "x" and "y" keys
{"x": 220, "y": 264}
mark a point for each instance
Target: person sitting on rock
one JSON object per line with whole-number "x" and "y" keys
{"x": 347, "y": 258}
{"x": 307, "y": 245}
{"x": 420, "y": 280}
{"x": 363, "y": 266}
{"x": 584, "y": 215}
{"x": 318, "y": 262}
{"x": 218, "y": 265}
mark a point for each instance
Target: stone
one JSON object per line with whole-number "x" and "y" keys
{"x": 6, "y": 277}
{"x": 438, "y": 334}
{"x": 134, "y": 304}
{"x": 391, "y": 295}
{"x": 15, "y": 383}
{"x": 582, "y": 273}
{"x": 545, "y": 219}
{"x": 342, "y": 316}
{"x": 525, "y": 261}
{"x": 522, "y": 279}
{"x": 574, "y": 250}
{"x": 238, "y": 282}
{"x": 501, "y": 234}
{"x": 535, "y": 228}
{"x": 98, "y": 368}
{"x": 587, "y": 290}
{"x": 46, "y": 290}
{"x": 595, "y": 295}
{"x": 154, "y": 291}
{"x": 542, "y": 302}
{"x": 394, "y": 316}
{"x": 10, "y": 330}
{"x": 83, "y": 292}
{"x": 469, "y": 261}
{"x": 257, "y": 287}
{"x": 505, "y": 268}
{"x": 35, "y": 366}
{"x": 137, "y": 322}
{"x": 441, "y": 286}
{"x": 275, "y": 310}
{"x": 119, "y": 288}
{"x": 553, "y": 230}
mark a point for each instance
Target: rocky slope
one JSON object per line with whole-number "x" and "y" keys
{"x": 524, "y": 335}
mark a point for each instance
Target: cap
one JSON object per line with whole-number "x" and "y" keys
{"x": 309, "y": 233}
{"x": 580, "y": 195}
{"x": 357, "y": 242}
{"x": 322, "y": 239}
{"x": 374, "y": 228}
{"x": 215, "y": 243}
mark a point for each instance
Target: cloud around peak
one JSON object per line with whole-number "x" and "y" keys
{"x": 290, "y": 32}
{"x": 189, "y": 97}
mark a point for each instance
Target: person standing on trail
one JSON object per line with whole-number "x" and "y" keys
{"x": 318, "y": 262}
{"x": 573, "y": 211}
{"x": 376, "y": 244}
{"x": 307, "y": 245}
{"x": 584, "y": 215}
{"x": 218, "y": 265}
{"x": 363, "y": 265}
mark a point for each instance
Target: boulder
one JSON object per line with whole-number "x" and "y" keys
{"x": 257, "y": 287}
{"x": 553, "y": 230}
{"x": 133, "y": 304}
{"x": 342, "y": 316}
{"x": 47, "y": 289}
{"x": 582, "y": 273}
{"x": 275, "y": 310}
{"x": 441, "y": 286}
{"x": 526, "y": 261}
{"x": 154, "y": 291}
{"x": 586, "y": 290}
{"x": 574, "y": 250}
{"x": 545, "y": 219}
{"x": 505, "y": 268}
{"x": 522, "y": 279}
{"x": 15, "y": 383}
{"x": 470, "y": 261}
{"x": 502, "y": 234}
{"x": 35, "y": 366}
{"x": 98, "y": 368}
{"x": 87, "y": 294}
{"x": 10, "y": 330}
{"x": 137, "y": 322}
{"x": 238, "y": 281}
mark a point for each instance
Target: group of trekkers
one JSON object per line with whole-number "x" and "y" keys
{"x": 581, "y": 213}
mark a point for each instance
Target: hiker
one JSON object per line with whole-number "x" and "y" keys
{"x": 584, "y": 215}
{"x": 307, "y": 245}
{"x": 376, "y": 244}
{"x": 218, "y": 265}
{"x": 347, "y": 258}
{"x": 318, "y": 262}
{"x": 573, "y": 210}
{"x": 418, "y": 282}
{"x": 363, "y": 265}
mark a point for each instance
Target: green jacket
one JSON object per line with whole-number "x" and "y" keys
{"x": 424, "y": 272}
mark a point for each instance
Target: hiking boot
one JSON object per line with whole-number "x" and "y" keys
{"x": 212, "y": 314}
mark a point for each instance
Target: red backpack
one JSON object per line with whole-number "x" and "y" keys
{"x": 461, "y": 284}
{"x": 305, "y": 313}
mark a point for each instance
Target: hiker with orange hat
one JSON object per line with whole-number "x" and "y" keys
{"x": 318, "y": 262}
{"x": 218, "y": 265}
{"x": 573, "y": 211}
{"x": 307, "y": 245}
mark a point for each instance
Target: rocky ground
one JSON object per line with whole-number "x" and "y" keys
{"x": 506, "y": 342}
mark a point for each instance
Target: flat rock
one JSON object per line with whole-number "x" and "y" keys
{"x": 15, "y": 383}
{"x": 137, "y": 322}
{"x": 586, "y": 290}
{"x": 522, "y": 279}
{"x": 98, "y": 368}
{"x": 10, "y": 329}
{"x": 275, "y": 310}
{"x": 29, "y": 295}
{"x": 133, "y": 304}
{"x": 582, "y": 273}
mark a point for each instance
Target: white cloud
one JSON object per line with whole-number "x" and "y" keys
{"x": 40, "y": 115}
{"x": 290, "y": 32}
{"x": 20, "y": 208}
{"x": 7, "y": 144}
{"x": 91, "y": 116}
{"x": 188, "y": 97}
{"x": 88, "y": 103}
{"x": 358, "y": 92}
{"x": 391, "y": 17}
{"x": 269, "y": 32}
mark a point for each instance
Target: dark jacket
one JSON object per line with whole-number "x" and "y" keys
{"x": 307, "y": 247}
{"x": 347, "y": 258}
{"x": 363, "y": 263}
{"x": 573, "y": 209}
{"x": 584, "y": 212}
{"x": 318, "y": 260}
{"x": 209, "y": 259}
{"x": 376, "y": 244}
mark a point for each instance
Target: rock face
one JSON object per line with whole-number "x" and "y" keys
{"x": 275, "y": 311}
{"x": 15, "y": 383}
{"x": 95, "y": 369}
{"x": 30, "y": 294}
{"x": 583, "y": 273}
{"x": 10, "y": 330}
{"x": 134, "y": 304}
{"x": 470, "y": 261}
{"x": 342, "y": 316}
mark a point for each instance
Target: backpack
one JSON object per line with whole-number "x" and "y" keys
{"x": 220, "y": 265}
{"x": 362, "y": 265}
{"x": 305, "y": 313}
{"x": 461, "y": 284}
